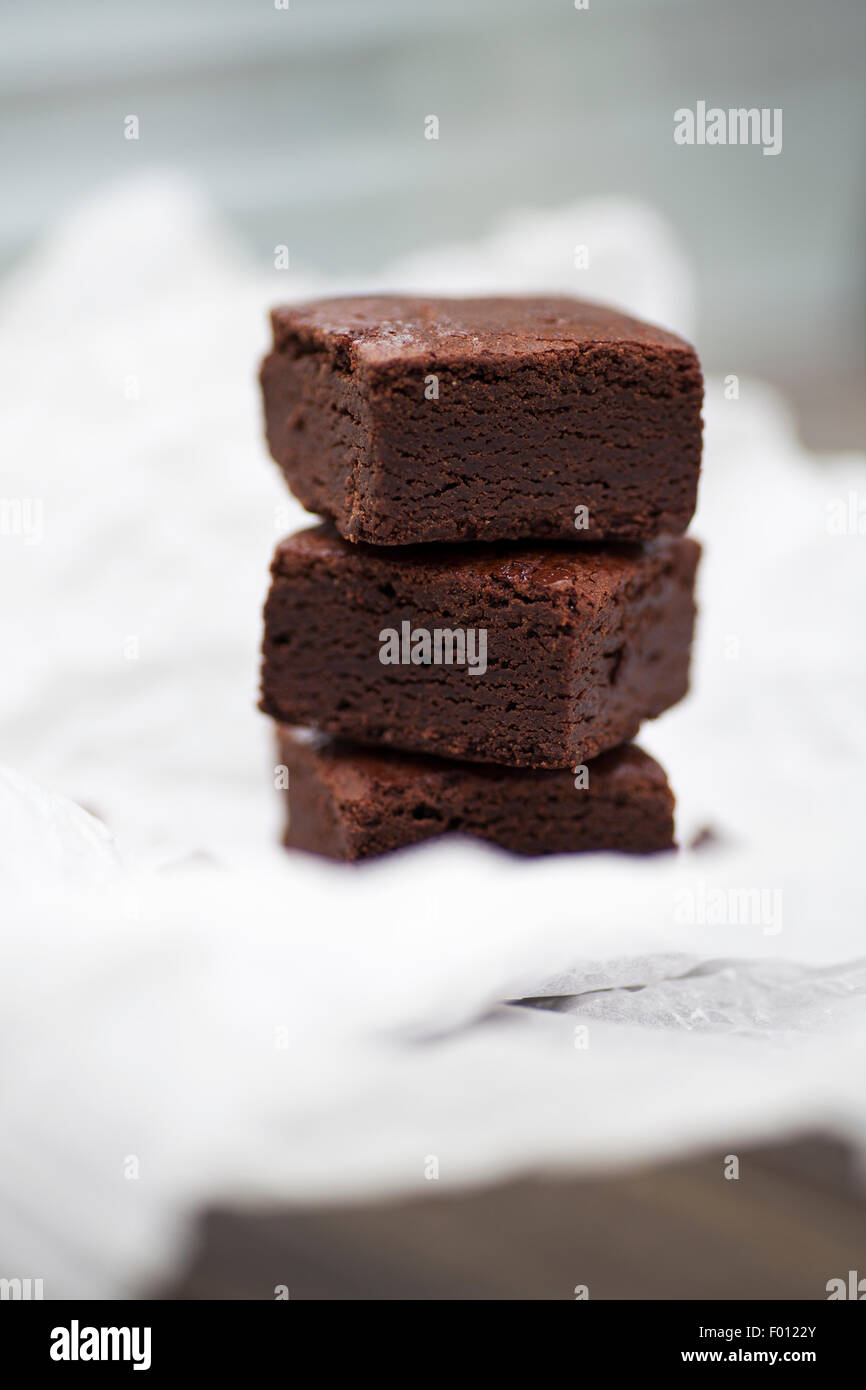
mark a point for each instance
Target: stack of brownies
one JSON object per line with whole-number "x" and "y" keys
{"x": 501, "y": 592}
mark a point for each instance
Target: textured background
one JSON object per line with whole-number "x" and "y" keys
{"x": 306, "y": 128}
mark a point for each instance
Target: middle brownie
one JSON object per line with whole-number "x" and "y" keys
{"x": 530, "y": 656}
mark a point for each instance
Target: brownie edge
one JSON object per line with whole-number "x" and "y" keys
{"x": 349, "y": 803}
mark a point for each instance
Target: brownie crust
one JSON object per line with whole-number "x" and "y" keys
{"x": 350, "y": 803}
{"x": 409, "y": 420}
{"x": 582, "y": 644}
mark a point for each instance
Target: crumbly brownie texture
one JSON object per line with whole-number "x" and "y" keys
{"x": 347, "y": 802}
{"x": 411, "y": 420}
{"x": 582, "y": 644}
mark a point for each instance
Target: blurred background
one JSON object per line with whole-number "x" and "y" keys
{"x": 305, "y": 126}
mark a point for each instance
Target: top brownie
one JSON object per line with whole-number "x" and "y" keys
{"x": 406, "y": 420}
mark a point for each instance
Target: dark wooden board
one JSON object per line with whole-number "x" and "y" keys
{"x": 794, "y": 1218}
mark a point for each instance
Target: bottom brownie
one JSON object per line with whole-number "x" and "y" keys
{"x": 347, "y": 802}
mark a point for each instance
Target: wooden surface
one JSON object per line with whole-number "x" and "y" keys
{"x": 794, "y": 1218}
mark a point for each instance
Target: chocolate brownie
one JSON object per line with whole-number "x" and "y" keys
{"x": 348, "y": 802}
{"x": 530, "y": 656}
{"x": 408, "y": 420}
